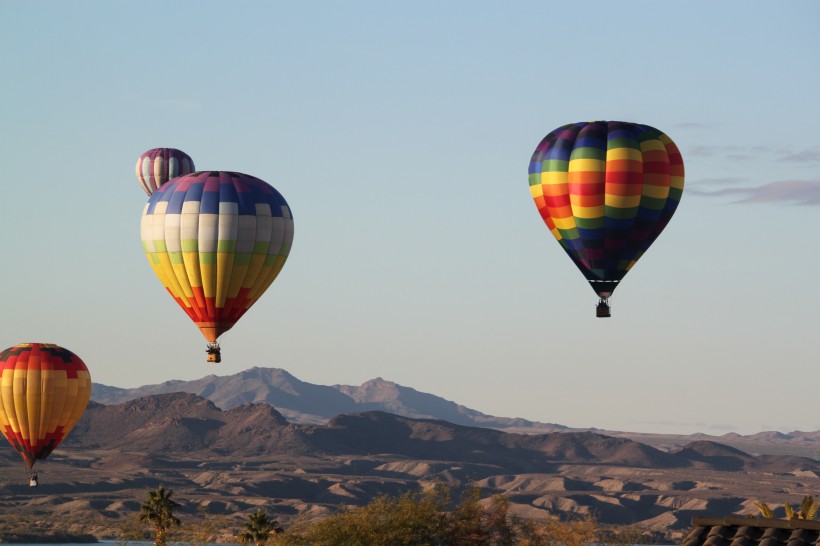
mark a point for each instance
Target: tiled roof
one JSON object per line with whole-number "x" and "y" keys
{"x": 745, "y": 531}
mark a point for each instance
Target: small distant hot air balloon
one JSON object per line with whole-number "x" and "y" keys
{"x": 216, "y": 240}
{"x": 159, "y": 165}
{"x": 44, "y": 389}
{"x": 606, "y": 190}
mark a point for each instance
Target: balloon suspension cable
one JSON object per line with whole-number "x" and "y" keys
{"x": 602, "y": 309}
{"x": 214, "y": 352}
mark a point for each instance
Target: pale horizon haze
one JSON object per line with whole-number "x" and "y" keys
{"x": 400, "y": 135}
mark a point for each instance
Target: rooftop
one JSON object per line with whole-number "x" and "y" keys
{"x": 750, "y": 531}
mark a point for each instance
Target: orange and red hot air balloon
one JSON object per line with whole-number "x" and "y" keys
{"x": 44, "y": 390}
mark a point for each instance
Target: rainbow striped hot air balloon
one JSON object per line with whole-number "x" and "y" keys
{"x": 606, "y": 190}
{"x": 44, "y": 390}
{"x": 216, "y": 240}
{"x": 159, "y": 165}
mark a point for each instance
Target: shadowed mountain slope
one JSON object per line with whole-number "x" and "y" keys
{"x": 306, "y": 403}
{"x": 186, "y": 423}
{"x": 231, "y": 462}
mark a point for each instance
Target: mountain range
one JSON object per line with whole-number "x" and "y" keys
{"x": 302, "y": 402}
{"x": 264, "y": 439}
{"x": 187, "y": 423}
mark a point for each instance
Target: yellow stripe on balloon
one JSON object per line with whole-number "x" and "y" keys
{"x": 208, "y": 278}
{"x": 193, "y": 274}
{"x": 554, "y": 178}
{"x": 588, "y": 212}
{"x": 658, "y": 192}
{"x": 183, "y": 280}
{"x": 651, "y": 145}
{"x": 631, "y": 154}
{"x": 586, "y": 164}
{"x": 224, "y": 268}
{"x": 622, "y": 201}
{"x": 83, "y": 386}
{"x": 237, "y": 279}
{"x": 564, "y": 223}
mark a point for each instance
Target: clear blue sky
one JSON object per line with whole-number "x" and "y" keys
{"x": 400, "y": 133}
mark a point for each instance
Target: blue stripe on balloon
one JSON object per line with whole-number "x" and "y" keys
{"x": 244, "y": 194}
{"x": 618, "y": 223}
{"x": 561, "y": 151}
{"x": 227, "y": 191}
{"x": 194, "y": 192}
{"x": 588, "y": 235}
{"x": 176, "y": 202}
{"x": 645, "y": 213}
{"x": 163, "y": 194}
{"x": 209, "y": 203}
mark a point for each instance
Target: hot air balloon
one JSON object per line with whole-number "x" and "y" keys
{"x": 606, "y": 190}
{"x": 44, "y": 389}
{"x": 216, "y": 240}
{"x": 159, "y": 165}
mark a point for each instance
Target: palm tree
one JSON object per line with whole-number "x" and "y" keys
{"x": 158, "y": 510}
{"x": 807, "y": 511}
{"x": 764, "y": 509}
{"x": 259, "y": 528}
{"x": 808, "y": 508}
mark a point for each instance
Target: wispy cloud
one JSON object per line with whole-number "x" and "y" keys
{"x": 741, "y": 152}
{"x": 747, "y": 153}
{"x": 809, "y": 155}
{"x": 795, "y": 192}
{"x": 701, "y": 151}
{"x": 725, "y": 181}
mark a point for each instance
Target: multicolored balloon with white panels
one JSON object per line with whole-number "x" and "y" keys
{"x": 216, "y": 240}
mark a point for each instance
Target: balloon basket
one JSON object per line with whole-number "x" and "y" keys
{"x": 214, "y": 353}
{"x": 602, "y": 310}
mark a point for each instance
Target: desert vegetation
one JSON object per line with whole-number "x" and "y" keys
{"x": 225, "y": 465}
{"x": 431, "y": 517}
{"x": 158, "y": 510}
{"x": 806, "y": 510}
{"x": 259, "y": 529}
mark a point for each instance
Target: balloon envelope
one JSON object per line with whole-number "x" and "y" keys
{"x": 159, "y": 165}
{"x": 216, "y": 240}
{"x": 606, "y": 190}
{"x": 44, "y": 390}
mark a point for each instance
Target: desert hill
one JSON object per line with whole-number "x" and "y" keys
{"x": 302, "y": 402}
{"x": 187, "y": 423}
{"x": 229, "y": 462}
